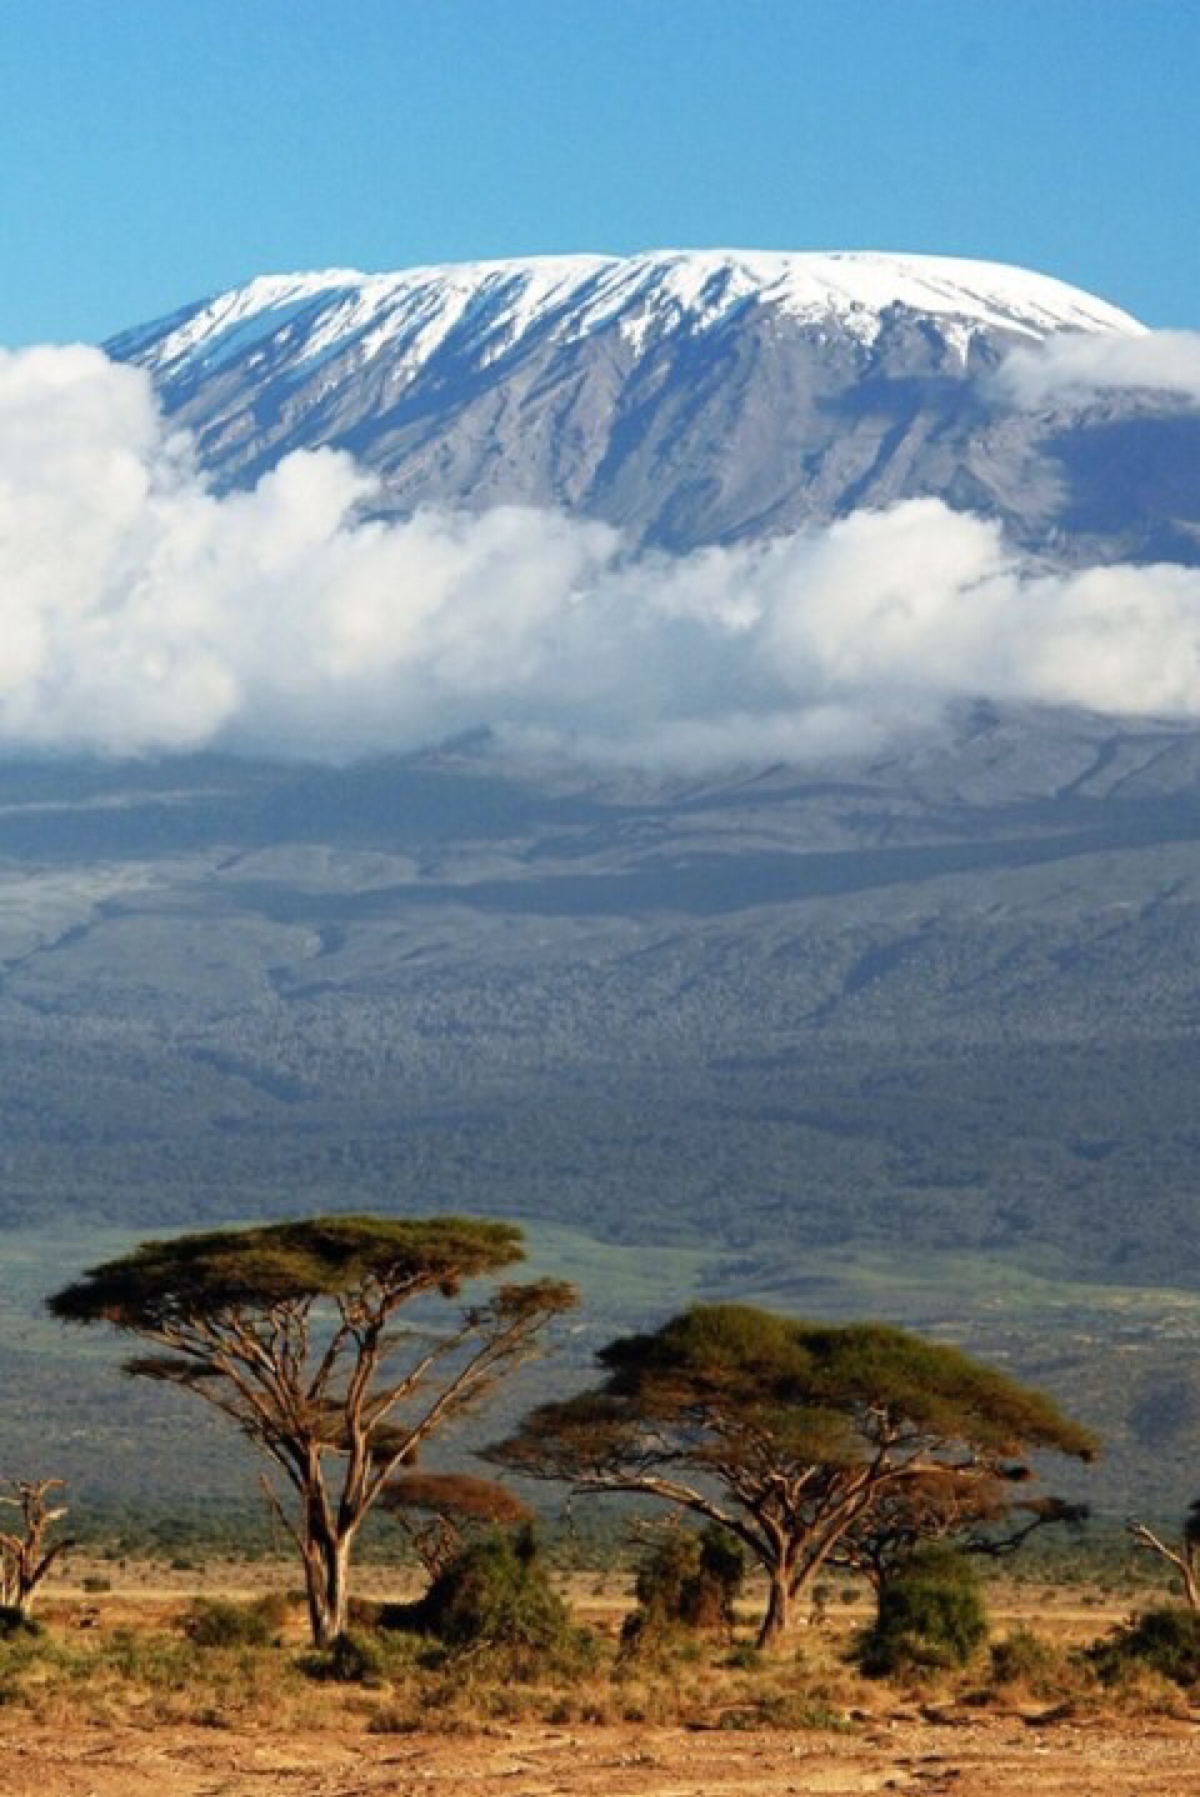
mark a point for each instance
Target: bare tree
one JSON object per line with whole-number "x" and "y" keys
{"x": 1183, "y": 1555}
{"x": 25, "y": 1558}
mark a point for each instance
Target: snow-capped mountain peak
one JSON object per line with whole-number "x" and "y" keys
{"x": 689, "y": 396}
{"x": 505, "y": 303}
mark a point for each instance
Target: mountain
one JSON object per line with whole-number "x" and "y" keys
{"x": 689, "y": 397}
{"x": 910, "y": 1033}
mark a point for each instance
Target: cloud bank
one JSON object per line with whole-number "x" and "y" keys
{"x": 1075, "y": 366}
{"x": 142, "y": 613}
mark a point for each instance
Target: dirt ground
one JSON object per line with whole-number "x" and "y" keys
{"x": 1003, "y": 1756}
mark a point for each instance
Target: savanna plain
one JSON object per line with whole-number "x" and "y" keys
{"x": 147, "y": 1678}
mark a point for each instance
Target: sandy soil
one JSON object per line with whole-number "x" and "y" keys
{"x": 972, "y": 1760}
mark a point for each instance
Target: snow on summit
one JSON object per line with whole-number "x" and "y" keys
{"x": 492, "y": 307}
{"x": 687, "y": 398}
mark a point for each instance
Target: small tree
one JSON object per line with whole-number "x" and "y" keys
{"x": 25, "y": 1558}
{"x": 1182, "y": 1555}
{"x": 786, "y": 1433}
{"x": 495, "y": 1593}
{"x": 291, "y": 1331}
{"x": 977, "y": 1513}
{"x": 438, "y": 1511}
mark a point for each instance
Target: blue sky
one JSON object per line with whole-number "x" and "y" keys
{"x": 154, "y": 150}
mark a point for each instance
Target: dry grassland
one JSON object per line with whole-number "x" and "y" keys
{"x": 124, "y": 1708}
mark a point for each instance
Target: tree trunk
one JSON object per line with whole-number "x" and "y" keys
{"x": 812, "y": 1564}
{"x": 779, "y": 1605}
{"x": 23, "y": 1596}
{"x": 326, "y": 1569}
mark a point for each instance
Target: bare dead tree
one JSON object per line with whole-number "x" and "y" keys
{"x": 1183, "y": 1555}
{"x": 25, "y": 1557}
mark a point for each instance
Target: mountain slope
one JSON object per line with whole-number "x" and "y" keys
{"x": 690, "y": 397}
{"x": 912, "y": 1037}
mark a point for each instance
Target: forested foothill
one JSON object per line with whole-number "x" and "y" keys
{"x": 910, "y": 1038}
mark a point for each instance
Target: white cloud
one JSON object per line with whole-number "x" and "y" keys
{"x": 141, "y": 612}
{"x": 1077, "y": 365}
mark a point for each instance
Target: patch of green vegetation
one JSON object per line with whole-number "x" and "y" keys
{"x": 216, "y": 1622}
{"x": 496, "y": 1593}
{"x": 931, "y": 1615}
{"x": 1164, "y": 1640}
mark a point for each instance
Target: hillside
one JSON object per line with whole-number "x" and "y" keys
{"x": 914, "y": 1038}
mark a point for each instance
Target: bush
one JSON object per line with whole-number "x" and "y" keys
{"x": 494, "y": 1594}
{"x": 274, "y": 1608}
{"x": 931, "y": 1615}
{"x": 214, "y": 1622}
{"x": 352, "y": 1659}
{"x": 1024, "y": 1659}
{"x": 690, "y": 1580}
{"x": 1166, "y": 1641}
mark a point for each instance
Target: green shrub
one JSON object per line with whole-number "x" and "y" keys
{"x": 1023, "y": 1658}
{"x": 1166, "y": 1641}
{"x": 145, "y": 1659}
{"x": 931, "y": 1614}
{"x": 352, "y": 1659}
{"x": 496, "y": 1593}
{"x": 215, "y": 1622}
{"x": 690, "y": 1580}
{"x": 787, "y": 1709}
{"x": 95, "y": 1583}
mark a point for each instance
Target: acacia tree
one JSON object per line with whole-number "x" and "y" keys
{"x": 291, "y": 1331}
{"x": 786, "y": 1433}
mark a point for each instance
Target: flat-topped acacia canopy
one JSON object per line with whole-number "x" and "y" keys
{"x": 194, "y": 1276}
{"x": 823, "y": 1377}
